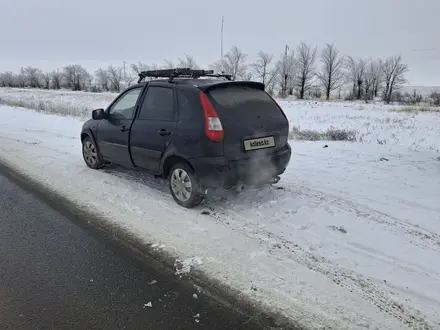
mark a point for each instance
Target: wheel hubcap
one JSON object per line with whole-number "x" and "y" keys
{"x": 181, "y": 185}
{"x": 90, "y": 154}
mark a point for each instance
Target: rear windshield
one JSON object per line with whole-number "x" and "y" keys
{"x": 244, "y": 102}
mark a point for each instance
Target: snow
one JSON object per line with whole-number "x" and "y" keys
{"x": 184, "y": 267}
{"x": 345, "y": 240}
{"x": 56, "y": 101}
{"x": 373, "y": 123}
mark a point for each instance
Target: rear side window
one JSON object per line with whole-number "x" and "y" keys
{"x": 189, "y": 103}
{"x": 241, "y": 102}
{"x": 158, "y": 104}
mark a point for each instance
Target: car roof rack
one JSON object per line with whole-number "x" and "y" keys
{"x": 181, "y": 73}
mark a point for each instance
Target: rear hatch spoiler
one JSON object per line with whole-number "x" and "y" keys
{"x": 221, "y": 84}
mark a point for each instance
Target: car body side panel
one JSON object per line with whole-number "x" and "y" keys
{"x": 190, "y": 138}
{"x": 90, "y": 129}
{"x": 114, "y": 143}
{"x": 146, "y": 144}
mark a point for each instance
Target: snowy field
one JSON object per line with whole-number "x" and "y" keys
{"x": 372, "y": 123}
{"x": 63, "y": 102}
{"x": 349, "y": 238}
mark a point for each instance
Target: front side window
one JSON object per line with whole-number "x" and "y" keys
{"x": 124, "y": 108}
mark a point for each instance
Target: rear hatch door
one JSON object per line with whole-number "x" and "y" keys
{"x": 254, "y": 125}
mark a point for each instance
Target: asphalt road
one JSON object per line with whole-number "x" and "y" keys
{"x": 56, "y": 275}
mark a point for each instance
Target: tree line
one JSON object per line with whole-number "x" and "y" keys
{"x": 303, "y": 72}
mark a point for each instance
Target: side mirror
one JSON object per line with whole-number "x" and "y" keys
{"x": 98, "y": 114}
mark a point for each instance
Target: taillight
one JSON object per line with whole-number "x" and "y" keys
{"x": 213, "y": 125}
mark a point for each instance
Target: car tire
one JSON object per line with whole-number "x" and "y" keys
{"x": 90, "y": 153}
{"x": 184, "y": 185}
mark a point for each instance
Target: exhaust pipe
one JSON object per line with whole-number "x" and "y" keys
{"x": 239, "y": 187}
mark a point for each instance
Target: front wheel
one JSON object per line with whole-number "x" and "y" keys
{"x": 90, "y": 154}
{"x": 185, "y": 186}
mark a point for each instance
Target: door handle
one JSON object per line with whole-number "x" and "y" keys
{"x": 163, "y": 132}
{"x": 124, "y": 129}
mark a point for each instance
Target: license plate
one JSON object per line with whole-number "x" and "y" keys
{"x": 261, "y": 143}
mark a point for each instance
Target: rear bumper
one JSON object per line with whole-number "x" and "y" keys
{"x": 220, "y": 172}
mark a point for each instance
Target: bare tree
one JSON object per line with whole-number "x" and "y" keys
{"x": 115, "y": 77}
{"x": 394, "y": 75}
{"x": 306, "y": 57}
{"x": 46, "y": 77}
{"x": 33, "y": 76}
{"x": 272, "y": 81}
{"x": 102, "y": 78}
{"x": 128, "y": 78}
{"x": 188, "y": 62}
{"x": 331, "y": 75}
{"x": 75, "y": 76}
{"x": 56, "y": 78}
{"x": 368, "y": 81}
{"x": 351, "y": 67}
{"x": 261, "y": 66}
{"x": 372, "y": 76}
{"x": 360, "y": 77}
{"x": 21, "y": 78}
{"x": 7, "y": 79}
{"x": 356, "y": 71}
{"x": 168, "y": 64}
{"x": 246, "y": 75}
{"x": 139, "y": 67}
{"x": 286, "y": 72}
{"x": 291, "y": 81}
{"x": 233, "y": 63}
{"x": 87, "y": 81}
{"x": 376, "y": 72}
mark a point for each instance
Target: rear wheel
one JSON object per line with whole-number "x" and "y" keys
{"x": 185, "y": 186}
{"x": 90, "y": 154}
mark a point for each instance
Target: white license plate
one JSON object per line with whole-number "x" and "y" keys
{"x": 261, "y": 143}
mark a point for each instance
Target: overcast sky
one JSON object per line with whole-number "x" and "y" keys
{"x": 52, "y": 33}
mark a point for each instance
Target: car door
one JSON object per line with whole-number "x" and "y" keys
{"x": 114, "y": 131}
{"x": 154, "y": 126}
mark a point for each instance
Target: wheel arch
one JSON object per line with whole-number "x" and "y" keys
{"x": 172, "y": 160}
{"x": 89, "y": 133}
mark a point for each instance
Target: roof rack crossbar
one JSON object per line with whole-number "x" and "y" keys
{"x": 220, "y": 75}
{"x": 180, "y": 72}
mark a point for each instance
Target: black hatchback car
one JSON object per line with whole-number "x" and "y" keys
{"x": 197, "y": 129}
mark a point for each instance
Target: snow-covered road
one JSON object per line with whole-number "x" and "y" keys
{"x": 349, "y": 238}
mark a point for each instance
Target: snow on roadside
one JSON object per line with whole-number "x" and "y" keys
{"x": 346, "y": 240}
{"x": 62, "y": 102}
{"x": 373, "y": 123}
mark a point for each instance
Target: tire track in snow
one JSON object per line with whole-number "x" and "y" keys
{"x": 418, "y": 236}
{"x": 354, "y": 282}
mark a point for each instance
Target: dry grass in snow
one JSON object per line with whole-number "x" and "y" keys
{"x": 417, "y": 108}
{"x": 77, "y": 104}
{"x": 376, "y": 123}
{"x": 367, "y": 123}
